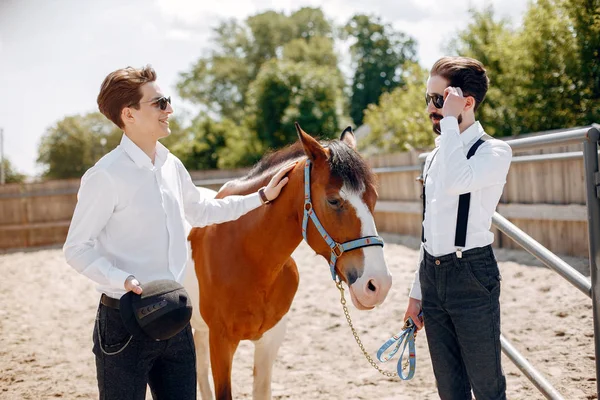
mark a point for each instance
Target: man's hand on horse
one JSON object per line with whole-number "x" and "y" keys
{"x": 412, "y": 311}
{"x": 278, "y": 181}
{"x": 133, "y": 285}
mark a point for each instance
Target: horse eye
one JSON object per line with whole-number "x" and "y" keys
{"x": 333, "y": 202}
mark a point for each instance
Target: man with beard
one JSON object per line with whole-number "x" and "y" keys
{"x": 457, "y": 284}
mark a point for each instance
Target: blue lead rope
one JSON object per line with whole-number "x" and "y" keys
{"x": 406, "y": 338}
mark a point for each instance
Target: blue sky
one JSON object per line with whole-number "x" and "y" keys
{"x": 55, "y": 54}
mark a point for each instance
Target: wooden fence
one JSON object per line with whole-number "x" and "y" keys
{"x": 39, "y": 214}
{"x": 546, "y": 199}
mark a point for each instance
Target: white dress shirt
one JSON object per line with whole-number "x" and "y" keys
{"x": 129, "y": 218}
{"x": 448, "y": 176}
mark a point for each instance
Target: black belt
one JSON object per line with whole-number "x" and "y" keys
{"x": 109, "y": 302}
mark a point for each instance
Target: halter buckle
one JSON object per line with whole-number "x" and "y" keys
{"x": 337, "y": 250}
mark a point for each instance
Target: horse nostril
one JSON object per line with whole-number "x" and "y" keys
{"x": 371, "y": 286}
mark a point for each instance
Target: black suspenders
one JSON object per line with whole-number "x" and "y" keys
{"x": 423, "y": 194}
{"x": 464, "y": 202}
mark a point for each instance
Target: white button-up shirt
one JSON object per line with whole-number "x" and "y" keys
{"x": 448, "y": 175}
{"x": 130, "y": 218}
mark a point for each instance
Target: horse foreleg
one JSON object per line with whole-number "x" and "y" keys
{"x": 265, "y": 352}
{"x": 221, "y": 359}
{"x": 202, "y": 365}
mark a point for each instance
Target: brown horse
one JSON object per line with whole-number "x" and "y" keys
{"x": 245, "y": 275}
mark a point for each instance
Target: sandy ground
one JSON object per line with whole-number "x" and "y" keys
{"x": 47, "y": 313}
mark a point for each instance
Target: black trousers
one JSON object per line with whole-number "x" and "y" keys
{"x": 168, "y": 367}
{"x": 461, "y": 310}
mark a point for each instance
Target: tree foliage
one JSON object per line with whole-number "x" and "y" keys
{"x": 11, "y": 175}
{"x": 266, "y": 72}
{"x": 286, "y": 92}
{"x": 543, "y": 75}
{"x": 75, "y": 143}
{"x": 378, "y": 53}
{"x": 220, "y": 80}
{"x": 399, "y": 122}
{"x": 211, "y": 144}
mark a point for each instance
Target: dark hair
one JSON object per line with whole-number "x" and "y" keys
{"x": 120, "y": 89}
{"x": 465, "y": 73}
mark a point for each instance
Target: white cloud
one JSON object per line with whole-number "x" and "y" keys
{"x": 186, "y": 35}
{"x": 193, "y": 11}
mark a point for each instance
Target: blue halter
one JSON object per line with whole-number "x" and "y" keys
{"x": 337, "y": 249}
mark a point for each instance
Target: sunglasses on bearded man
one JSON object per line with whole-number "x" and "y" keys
{"x": 438, "y": 100}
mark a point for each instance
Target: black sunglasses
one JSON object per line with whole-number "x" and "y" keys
{"x": 161, "y": 102}
{"x": 438, "y": 100}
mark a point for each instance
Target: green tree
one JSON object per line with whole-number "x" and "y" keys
{"x": 201, "y": 143}
{"x": 584, "y": 16}
{"x": 547, "y": 95}
{"x": 398, "y": 123}
{"x": 11, "y": 175}
{"x": 544, "y": 75}
{"x": 220, "y": 80}
{"x": 378, "y": 54}
{"x": 492, "y": 42}
{"x": 75, "y": 143}
{"x": 318, "y": 50}
{"x": 285, "y": 92}
{"x": 242, "y": 148}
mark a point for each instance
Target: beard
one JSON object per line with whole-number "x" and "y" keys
{"x": 436, "y": 124}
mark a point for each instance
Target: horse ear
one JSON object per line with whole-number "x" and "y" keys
{"x": 312, "y": 148}
{"x": 348, "y": 137}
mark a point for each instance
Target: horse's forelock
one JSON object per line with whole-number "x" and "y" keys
{"x": 349, "y": 166}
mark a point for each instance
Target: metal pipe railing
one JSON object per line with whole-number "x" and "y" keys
{"x": 543, "y": 254}
{"x": 404, "y": 168}
{"x": 546, "y": 140}
{"x": 550, "y": 139}
{"x": 573, "y": 155}
{"x": 530, "y": 372}
{"x": 592, "y": 180}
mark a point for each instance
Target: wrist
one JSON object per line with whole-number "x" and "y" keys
{"x": 263, "y": 196}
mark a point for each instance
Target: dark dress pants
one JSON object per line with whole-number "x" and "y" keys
{"x": 168, "y": 367}
{"x": 461, "y": 311}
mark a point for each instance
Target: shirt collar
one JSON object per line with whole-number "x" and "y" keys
{"x": 161, "y": 154}
{"x": 140, "y": 158}
{"x": 469, "y": 136}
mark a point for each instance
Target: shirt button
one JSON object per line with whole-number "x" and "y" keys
{"x": 437, "y": 262}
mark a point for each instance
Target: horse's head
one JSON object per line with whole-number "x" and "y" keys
{"x": 343, "y": 198}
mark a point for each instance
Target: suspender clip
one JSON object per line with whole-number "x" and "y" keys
{"x": 458, "y": 253}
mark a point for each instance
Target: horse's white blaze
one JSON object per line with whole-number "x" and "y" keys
{"x": 375, "y": 267}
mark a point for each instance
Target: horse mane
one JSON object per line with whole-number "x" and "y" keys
{"x": 275, "y": 159}
{"x": 344, "y": 162}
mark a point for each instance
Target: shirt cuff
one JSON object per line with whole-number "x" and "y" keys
{"x": 117, "y": 277}
{"x": 415, "y": 291}
{"x": 448, "y": 124}
{"x": 253, "y": 201}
